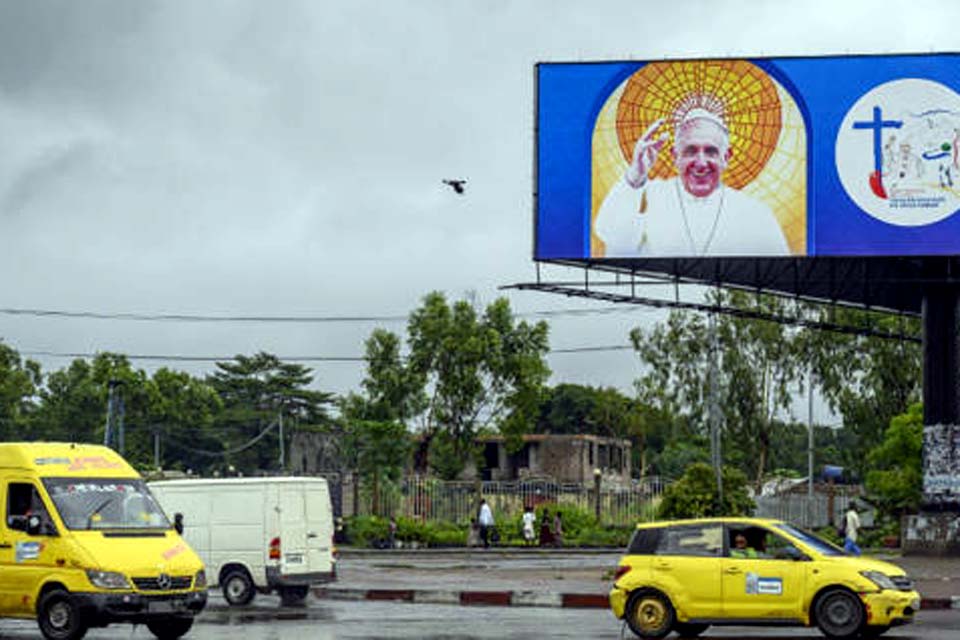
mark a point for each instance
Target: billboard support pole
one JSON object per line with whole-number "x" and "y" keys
{"x": 941, "y": 396}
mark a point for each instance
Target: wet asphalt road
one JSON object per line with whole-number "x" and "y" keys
{"x": 332, "y": 620}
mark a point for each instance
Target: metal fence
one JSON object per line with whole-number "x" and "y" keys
{"x": 811, "y": 512}
{"x": 429, "y": 499}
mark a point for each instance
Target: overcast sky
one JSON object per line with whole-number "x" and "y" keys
{"x": 285, "y": 158}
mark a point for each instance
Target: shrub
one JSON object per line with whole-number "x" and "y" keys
{"x": 694, "y": 495}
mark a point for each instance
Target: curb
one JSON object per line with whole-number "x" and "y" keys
{"x": 519, "y": 598}
{"x": 950, "y": 602}
{"x": 469, "y": 598}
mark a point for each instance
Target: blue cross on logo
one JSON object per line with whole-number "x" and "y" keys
{"x": 878, "y": 124}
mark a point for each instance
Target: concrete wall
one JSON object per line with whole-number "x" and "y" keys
{"x": 935, "y": 534}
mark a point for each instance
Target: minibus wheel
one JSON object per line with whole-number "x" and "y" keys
{"x": 58, "y": 616}
{"x": 171, "y": 628}
{"x": 238, "y": 587}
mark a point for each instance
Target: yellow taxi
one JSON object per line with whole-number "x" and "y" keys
{"x": 686, "y": 575}
{"x": 84, "y": 544}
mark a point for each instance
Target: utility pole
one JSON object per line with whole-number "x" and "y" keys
{"x": 115, "y": 412}
{"x": 810, "y": 435}
{"x": 282, "y": 456}
{"x": 713, "y": 411}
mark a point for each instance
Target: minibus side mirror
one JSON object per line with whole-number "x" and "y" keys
{"x": 17, "y": 523}
{"x": 32, "y": 525}
{"x": 178, "y": 522}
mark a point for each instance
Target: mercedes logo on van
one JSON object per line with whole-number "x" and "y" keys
{"x": 164, "y": 581}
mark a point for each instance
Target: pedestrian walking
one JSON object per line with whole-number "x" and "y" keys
{"x": 486, "y": 523}
{"x": 852, "y": 522}
{"x": 558, "y": 530}
{"x": 546, "y": 535}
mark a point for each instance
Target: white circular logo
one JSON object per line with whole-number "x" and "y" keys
{"x": 897, "y": 152}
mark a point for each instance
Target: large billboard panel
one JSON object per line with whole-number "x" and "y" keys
{"x": 831, "y": 156}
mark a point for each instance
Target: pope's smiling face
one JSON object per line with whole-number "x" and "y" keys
{"x": 701, "y": 153}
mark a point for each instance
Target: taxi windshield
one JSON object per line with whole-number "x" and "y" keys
{"x": 814, "y": 542}
{"x": 95, "y": 503}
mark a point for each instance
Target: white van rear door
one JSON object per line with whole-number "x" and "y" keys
{"x": 319, "y": 528}
{"x": 293, "y": 530}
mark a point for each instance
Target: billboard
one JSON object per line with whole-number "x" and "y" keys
{"x": 830, "y": 156}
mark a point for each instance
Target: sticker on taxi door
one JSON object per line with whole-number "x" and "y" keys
{"x": 758, "y": 585}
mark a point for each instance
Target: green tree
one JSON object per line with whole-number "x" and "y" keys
{"x": 19, "y": 380}
{"x": 480, "y": 370}
{"x": 257, "y": 392}
{"x": 381, "y": 450}
{"x": 695, "y": 495}
{"x": 758, "y": 366}
{"x": 895, "y": 478}
{"x": 180, "y": 413}
{"x": 866, "y": 379}
{"x": 73, "y": 404}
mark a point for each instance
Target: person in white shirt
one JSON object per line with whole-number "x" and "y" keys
{"x": 486, "y": 522}
{"x": 529, "y": 520}
{"x": 693, "y": 214}
{"x": 850, "y": 531}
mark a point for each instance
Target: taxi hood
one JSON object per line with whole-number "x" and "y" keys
{"x": 139, "y": 553}
{"x": 860, "y": 563}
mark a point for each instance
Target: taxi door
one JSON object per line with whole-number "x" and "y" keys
{"x": 687, "y": 566}
{"x": 25, "y": 556}
{"x": 767, "y": 587}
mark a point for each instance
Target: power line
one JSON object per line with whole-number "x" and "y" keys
{"x": 264, "y": 319}
{"x": 186, "y": 358}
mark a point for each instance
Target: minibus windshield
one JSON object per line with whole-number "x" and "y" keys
{"x": 101, "y": 503}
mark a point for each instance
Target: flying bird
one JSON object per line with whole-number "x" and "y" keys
{"x": 457, "y": 185}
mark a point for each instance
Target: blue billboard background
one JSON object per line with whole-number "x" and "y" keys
{"x": 570, "y": 96}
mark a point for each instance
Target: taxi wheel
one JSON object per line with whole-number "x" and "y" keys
{"x": 839, "y": 614}
{"x": 58, "y": 617}
{"x": 170, "y": 629}
{"x": 238, "y": 588}
{"x": 649, "y": 614}
{"x": 688, "y": 630}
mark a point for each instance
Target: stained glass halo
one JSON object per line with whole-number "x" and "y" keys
{"x": 737, "y": 91}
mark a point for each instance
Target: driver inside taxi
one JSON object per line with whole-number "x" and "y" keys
{"x": 741, "y": 549}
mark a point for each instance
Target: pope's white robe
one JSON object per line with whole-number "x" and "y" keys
{"x": 661, "y": 219}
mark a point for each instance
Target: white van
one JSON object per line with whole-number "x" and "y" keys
{"x": 256, "y": 534}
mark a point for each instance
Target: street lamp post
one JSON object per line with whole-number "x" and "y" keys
{"x": 597, "y": 479}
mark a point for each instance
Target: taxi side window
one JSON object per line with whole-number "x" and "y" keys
{"x": 691, "y": 540}
{"x": 24, "y": 500}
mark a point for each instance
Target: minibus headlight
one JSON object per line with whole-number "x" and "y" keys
{"x": 880, "y": 579}
{"x": 200, "y": 580}
{"x": 107, "y": 579}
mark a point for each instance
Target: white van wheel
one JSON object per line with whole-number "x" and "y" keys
{"x": 291, "y": 596}
{"x": 238, "y": 587}
{"x": 58, "y": 617}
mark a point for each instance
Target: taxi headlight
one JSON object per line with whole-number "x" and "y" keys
{"x": 107, "y": 579}
{"x": 880, "y": 579}
{"x": 200, "y": 580}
